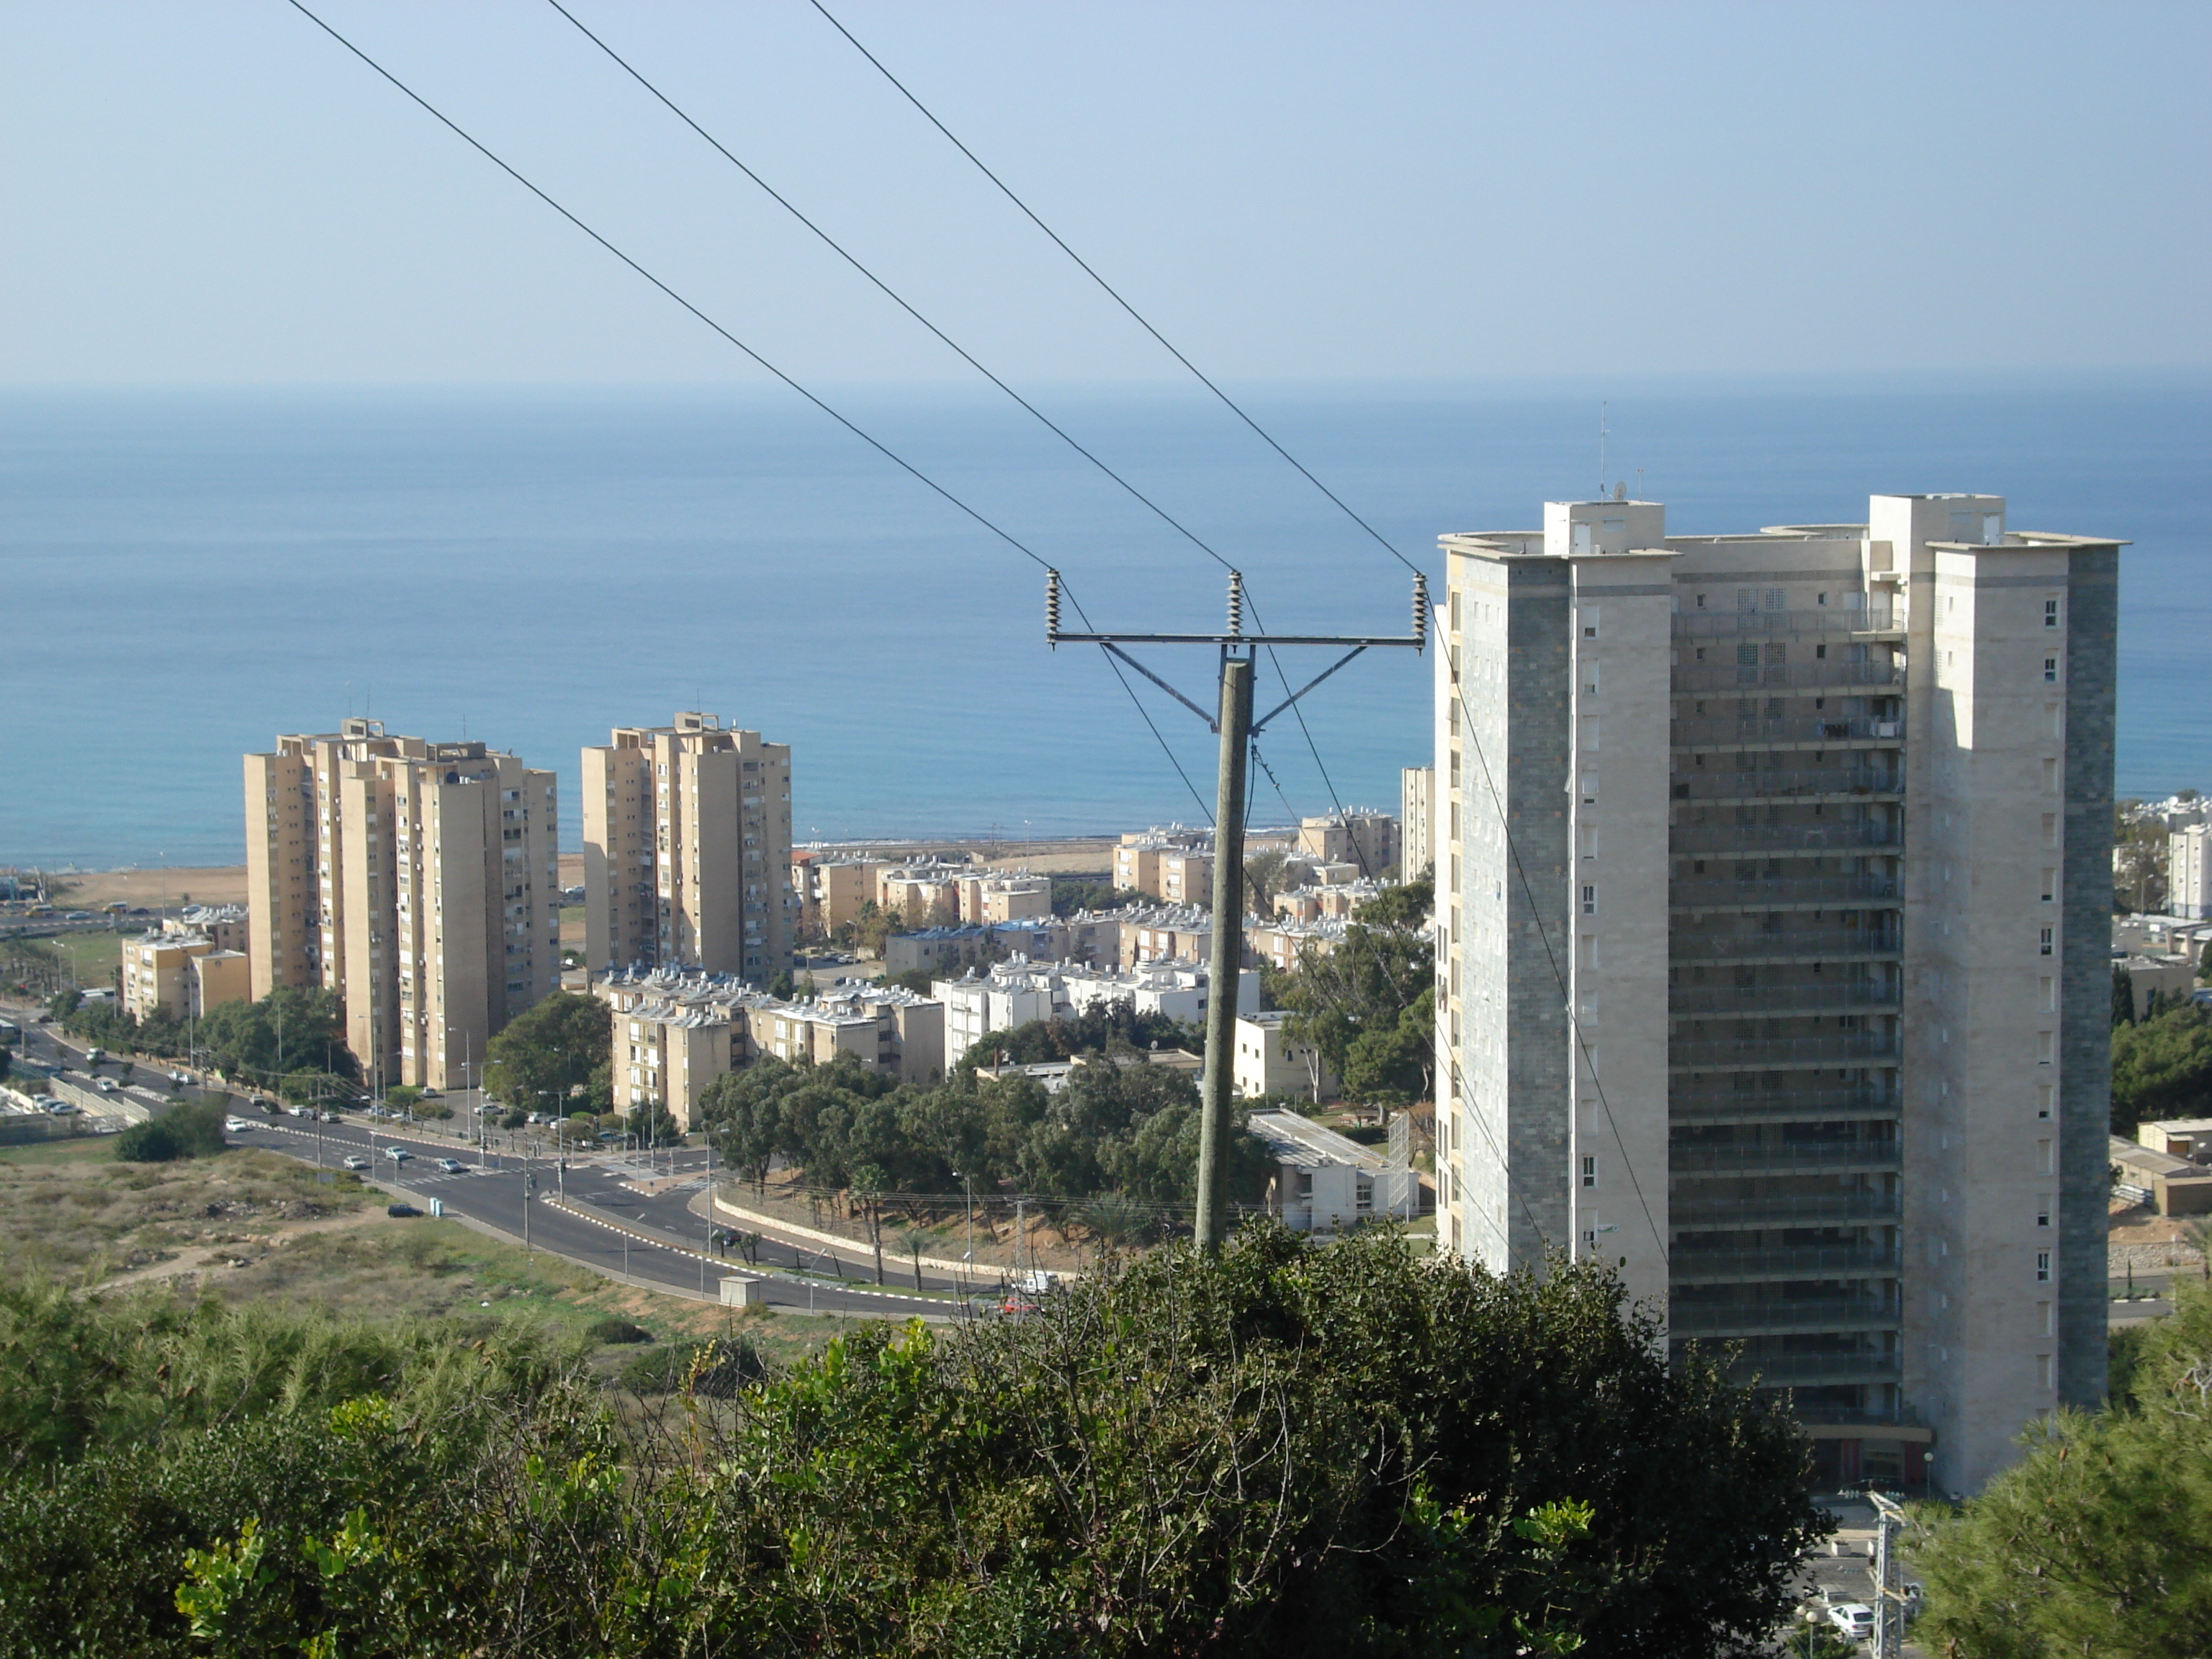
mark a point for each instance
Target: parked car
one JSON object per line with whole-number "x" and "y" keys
{"x": 428, "y": 1093}
{"x": 355, "y": 1161}
{"x": 451, "y": 1165}
{"x": 401, "y": 1210}
{"x": 1854, "y": 1619}
{"x": 237, "y": 1126}
{"x": 397, "y": 1154}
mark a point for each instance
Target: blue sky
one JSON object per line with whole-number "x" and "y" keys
{"x": 202, "y": 192}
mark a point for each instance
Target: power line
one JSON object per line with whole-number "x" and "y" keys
{"x": 897, "y": 460}
{"x": 1113, "y": 294}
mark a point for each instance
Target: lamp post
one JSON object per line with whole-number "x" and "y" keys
{"x": 967, "y": 1184}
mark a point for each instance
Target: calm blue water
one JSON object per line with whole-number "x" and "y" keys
{"x": 186, "y": 575}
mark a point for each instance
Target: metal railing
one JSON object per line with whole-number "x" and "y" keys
{"x": 1781, "y": 1157}
{"x": 1802, "y": 1370}
{"x": 1694, "y": 839}
{"x": 1730, "y": 783}
{"x": 1688, "y": 1104}
{"x": 1697, "y": 1215}
{"x": 1754, "y": 1054}
{"x": 1757, "y": 729}
{"x": 1817, "y": 943}
{"x": 1688, "y": 1266}
{"x": 1761, "y": 892}
{"x": 1780, "y": 1001}
{"x": 1832, "y": 621}
{"x": 1717, "y": 676}
{"x": 1733, "y": 1319}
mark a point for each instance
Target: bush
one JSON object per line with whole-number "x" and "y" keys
{"x": 612, "y": 1331}
{"x": 717, "y": 1369}
{"x": 194, "y": 1130}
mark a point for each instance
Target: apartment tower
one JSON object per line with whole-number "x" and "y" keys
{"x": 1789, "y": 991}
{"x": 416, "y": 879}
{"x": 687, "y": 850}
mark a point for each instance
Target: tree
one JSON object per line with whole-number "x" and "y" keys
{"x": 2123, "y": 996}
{"x": 256, "y": 1042}
{"x": 194, "y": 1130}
{"x": 1073, "y": 894}
{"x": 1263, "y": 880}
{"x": 1367, "y": 1007}
{"x": 912, "y": 1242}
{"x": 549, "y": 1048}
{"x": 2162, "y": 1067}
{"x": 2094, "y": 1542}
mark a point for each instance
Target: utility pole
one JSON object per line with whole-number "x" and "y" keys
{"x": 1888, "y": 1580}
{"x": 1238, "y": 653}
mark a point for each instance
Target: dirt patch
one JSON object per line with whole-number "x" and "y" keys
{"x": 195, "y": 884}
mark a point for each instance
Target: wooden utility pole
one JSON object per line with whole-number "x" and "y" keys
{"x": 1239, "y": 656}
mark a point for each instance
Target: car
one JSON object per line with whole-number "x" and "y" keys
{"x": 402, "y": 1210}
{"x": 428, "y": 1093}
{"x": 300, "y": 1111}
{"x": 179, "y": 1078}
{"x": 105, "y": 1085}
{"x": 57, "y": 1107}
{"x": 451, "y": 1165}
{"x": 1854, "y": 1619}
{"x": 397, "y": 1154}
{"x": 355, "y": 1161}
{"x": 78, "y": 915}
{"x": 237, "y": 1126}
{"x": 94, "y": 1056}
{"x": 332, "y": 1117}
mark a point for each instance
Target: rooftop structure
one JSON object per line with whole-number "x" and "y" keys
{"x": 1325, "y": 1182}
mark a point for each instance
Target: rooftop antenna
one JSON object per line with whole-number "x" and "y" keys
{"x": 1603, "y": 431}
{"x": 1639, "y": 485}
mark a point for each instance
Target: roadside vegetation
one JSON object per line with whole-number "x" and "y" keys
{"x": 1293, "y": 1449}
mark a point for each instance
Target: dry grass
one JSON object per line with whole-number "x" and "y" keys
{"x": 252, "y": 1226}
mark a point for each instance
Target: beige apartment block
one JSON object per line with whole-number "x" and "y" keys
{"x": 1271, "y": 1064}
{"x": 418, "y": 881}
{"x": 833, "y": 891}
{"x": 1790, "y": 992}
{"x": 1417, "y": 786}
{"x": 2189, "y": 873}
{"x": 676, "y": 1032}
{"x": 180, "y": 973}
{"x": 687, "y": 850}
{"x": 1012, "y": 896}
{"x": 1369, "y": 839}
{"x": 1174, "y": 865}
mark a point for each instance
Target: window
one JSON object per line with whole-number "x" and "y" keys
{"x": 2051, "y": 613}
{"x": 1589, "y": 1172}
{"x": 2043, "y": 1266}
{"x": 2051, "y": 670}
{"x": 2043, "y": 1370}
{"x": 2045, "y": 939}
{"x": 2049, "y": 885}
{"x": 2043, "y": 1093}
{"x": 1590, "y": 901}
{"x": 2042, "y": 1210}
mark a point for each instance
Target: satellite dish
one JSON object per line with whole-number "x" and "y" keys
{"x": 1621, "y": 490}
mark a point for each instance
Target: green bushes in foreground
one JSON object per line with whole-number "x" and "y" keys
{"x": 1292, "y": 1449}
{"x": 184, "y": 1131}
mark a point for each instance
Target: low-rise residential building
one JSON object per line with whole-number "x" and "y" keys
{"x": 831, "y": 891}
{"x": 676, "y": 1032}
{"x": 1367, "y": 838}
{"x": 182, "y": 972}
{"x": 1340, "y": 899}
{"x": 2188, "y": 872}
{"x": 2179, "y": 1137}
{"x": 1166, "y": 932}
{"x": 1174, "y": 865}
{"x": 1277, "y": 944}
{"x": 1326, "y": 1183}
{"x": 2173, "y": 977}
{"x": 1015, "y": 991}
{"x": 1270, "y": 1063}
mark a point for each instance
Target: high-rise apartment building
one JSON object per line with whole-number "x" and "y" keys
{"x": 1417, "y": 786}
{"x": 416, "y": 879}
{"x": 1790, "y": 990}
{"x": 687, "y": 850}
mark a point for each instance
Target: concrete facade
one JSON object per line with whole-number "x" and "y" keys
{"x": 1016, "y": 991}
{"x": 1369, "y": 839}
{"x": 687, "y": 850}
{"x": 1416, "y": 794}
{"x": 1270, "y": 1063}
{"x": 1811, "y": 832}
{"x": 1326, "y": 1183}
{"x": 181, "y": 972}
{"x": 2189, "y": 873}
{"x": 417, "y": 880}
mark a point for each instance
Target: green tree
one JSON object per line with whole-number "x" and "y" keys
{"x": 257, "y": 1042}
{"x": 2123, "y": 996}
{"x": 550, "y": 1047}
{"x": 2094, "y": 1543}
{"x": 1367, "y": 1007}
{"x": 1264, "y": 878}
{"x": 184, "y": 1131}
{"x": 2162, "y": 1067}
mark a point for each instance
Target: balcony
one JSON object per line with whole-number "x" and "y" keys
{"x": 1725, "y": 1320}
{"x": 1781, "y": 945}
{"x": 1808, "y": 1371}
{"x": 1688, "y": 1104}
{"x": 1781, "y": 1054}
{"x": 1724, "y": 839}
{"x": 1772, "y": 892}
{"x": 1782, "y": 1158}
{"x": 1816, "y": 783}
{"x": 1824, "y": 621}
{"x": 1742, "y": 1215}
{"x": 1781, "y": 1001}
{"x": 1767, "y": 731}
{"x": 1736, "y": 1266}
{"x": 1818, "y": 676}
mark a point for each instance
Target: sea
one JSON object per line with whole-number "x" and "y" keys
{"x": 186, "y": 573}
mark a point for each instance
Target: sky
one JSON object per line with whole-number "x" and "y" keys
{"x": 198, "y": 191}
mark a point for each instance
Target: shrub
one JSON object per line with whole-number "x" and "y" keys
{"x": 192, "y": 1131}
{"x": 717, "y": 1369}
{"x": 612, "y": 1331}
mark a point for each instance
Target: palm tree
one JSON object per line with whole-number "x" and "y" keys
{"x": 1115, "y": 1219}
{"x": 914, "y": 1241}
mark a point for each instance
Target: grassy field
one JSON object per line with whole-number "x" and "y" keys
{"x": 252, "y": 1226}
